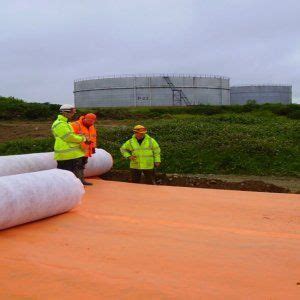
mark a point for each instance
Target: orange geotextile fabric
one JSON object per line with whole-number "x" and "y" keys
{"x": 130, "y": 241}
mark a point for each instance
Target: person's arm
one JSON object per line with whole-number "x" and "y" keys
{"x": 64, "y": 132}
{"x": 156, "y": 152}
{"x": 126, "y": 149}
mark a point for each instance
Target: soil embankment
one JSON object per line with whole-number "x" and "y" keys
{"x": 225, "y": 182}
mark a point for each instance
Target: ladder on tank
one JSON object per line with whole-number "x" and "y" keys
{"x": 177, "y": 94}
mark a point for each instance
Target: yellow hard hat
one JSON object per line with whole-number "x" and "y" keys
{"x": 139, "y": 129}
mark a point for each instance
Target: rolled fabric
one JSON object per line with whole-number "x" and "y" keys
{"x": 100, "y": 163}
{"x": 26, "y": 163}
{"x": 33, "y": 196}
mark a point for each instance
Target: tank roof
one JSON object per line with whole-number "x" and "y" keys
{"x": 260, "y": 85}
{"x": 150, "y": 75}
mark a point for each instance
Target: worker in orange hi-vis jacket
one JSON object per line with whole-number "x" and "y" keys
{"x": 85, "y": 126}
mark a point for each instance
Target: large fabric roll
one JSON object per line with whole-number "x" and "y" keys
{"x": 34, "y": 196}
{"x": 100, "y": 163}
{"x": 26, "y": 163}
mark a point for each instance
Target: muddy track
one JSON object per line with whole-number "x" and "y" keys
{"x": 200, "y": 182}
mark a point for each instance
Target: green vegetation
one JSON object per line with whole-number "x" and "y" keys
{"x": 256, "y": 144}
{"x": 291, "y": 111}
{"x": 253, "y": 143}
{"x": 45, "y": 111}
{"x": 24, "y": 146}
{"x": 18, "y": 109}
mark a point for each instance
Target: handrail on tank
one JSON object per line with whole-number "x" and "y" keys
{"x": 150, "y": 75}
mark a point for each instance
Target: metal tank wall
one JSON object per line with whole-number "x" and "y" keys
{"x": 261, "y": 94}
{"x": 150, "y": 91}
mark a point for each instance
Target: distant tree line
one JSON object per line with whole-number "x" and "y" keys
{"x": 11, "y": 107}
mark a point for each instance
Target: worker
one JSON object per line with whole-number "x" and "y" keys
{"x": 67, "y": 148}
{"x": 85, "y": 126}
{"x": 144, "y": 154}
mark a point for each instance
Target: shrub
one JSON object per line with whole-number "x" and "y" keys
{"x": 24, "y": 146}
{"x": 39, "y": 111}
{"x": 29, "y": 111}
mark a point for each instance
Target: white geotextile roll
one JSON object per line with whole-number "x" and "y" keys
{"x": 26, "y": 163}
{"x": 34, "y": 196}
{"x": 98, "y": 164}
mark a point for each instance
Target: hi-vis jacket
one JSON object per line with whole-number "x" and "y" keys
{"x": 89, "y": 132}
{"x": 146, "y": 154}
{"x": 67, "y": 143}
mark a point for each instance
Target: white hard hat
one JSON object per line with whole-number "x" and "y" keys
{"x": 66, "y": 107}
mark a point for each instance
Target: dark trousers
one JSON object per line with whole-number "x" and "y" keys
{"x": 136, "y": 176}
{"x": 76, "y": 166}
{"x": 84, "y": 161}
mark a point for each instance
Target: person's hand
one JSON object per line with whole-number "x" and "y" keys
{"x": 132, "y": 157}
{"x": 157, "y": 164}
{"x": 88, "y": 140}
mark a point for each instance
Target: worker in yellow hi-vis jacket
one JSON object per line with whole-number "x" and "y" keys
{"x": 144, "y": 154}
{"x": 68, "y": 151}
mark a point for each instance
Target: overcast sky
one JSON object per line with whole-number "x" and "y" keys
{"x": 45, "y": 45}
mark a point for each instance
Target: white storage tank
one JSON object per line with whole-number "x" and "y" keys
{"x": 261, "y": 94}
{"x": 151, "y": 90}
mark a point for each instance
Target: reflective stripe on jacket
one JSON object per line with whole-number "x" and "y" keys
{"x": 88, "y": 132}
{"x": 146, "y": 154}
{"x": 67, "y": 143}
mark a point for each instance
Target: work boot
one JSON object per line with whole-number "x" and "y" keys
{"x": 81, "y": 177}
{"x": 85, "y": 182}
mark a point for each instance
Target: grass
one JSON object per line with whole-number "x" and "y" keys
{"x": 224, "y": 144}
{"x": 247, "y": 143}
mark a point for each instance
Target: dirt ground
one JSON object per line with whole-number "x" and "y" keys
{"x": 37, "y": 129}
{"x": 225, "y": 182}
{"x": 24, "y": 129}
